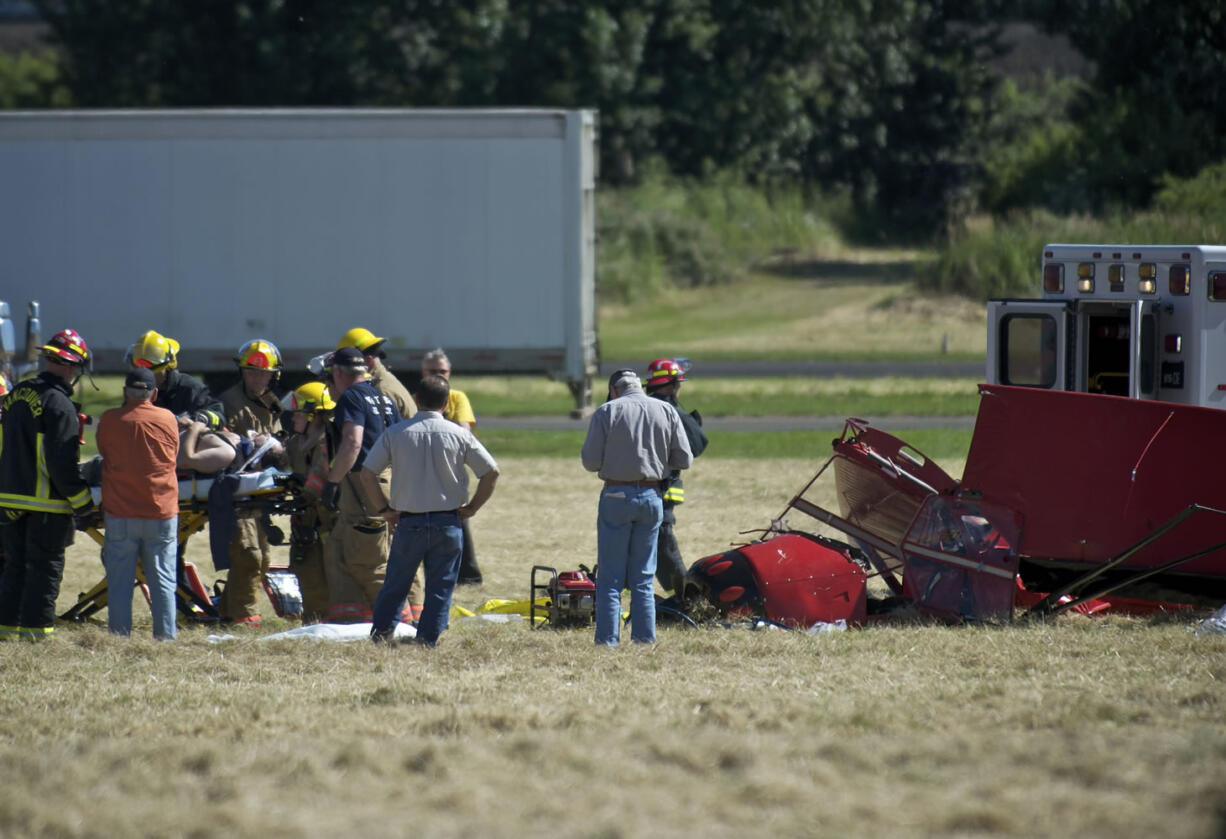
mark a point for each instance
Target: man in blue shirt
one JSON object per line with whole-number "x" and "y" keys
{"x": 356, "y": 552}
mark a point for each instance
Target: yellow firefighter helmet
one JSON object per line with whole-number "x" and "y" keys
{"x": 154, "y": 351}
{"x": 363, "y": 339}
{"x": 311, "y": 398}
{"x": 259, "y": 355}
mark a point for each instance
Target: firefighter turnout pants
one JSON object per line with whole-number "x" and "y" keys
{"x": 355, "y": 560}
{"x": 306, "y": 561}
{"x": 249, "y": 559}
{"x": 34, "y": 545}
{"x": 670, "y": 568}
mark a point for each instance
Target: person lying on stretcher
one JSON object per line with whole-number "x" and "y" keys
{"x": 209, "y": 452}
{"x": 203, "y": 453}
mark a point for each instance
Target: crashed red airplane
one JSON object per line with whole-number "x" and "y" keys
{"x": 1091, "y": 499}
{"x": 1086, "y": 479}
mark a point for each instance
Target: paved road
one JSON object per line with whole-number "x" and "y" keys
{"x": 819, "y": 369}
{"x": 772, "y": 423}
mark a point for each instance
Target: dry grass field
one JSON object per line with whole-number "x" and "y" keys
{"x": 1078, "y": 727}
{"x": 864, "y": 307}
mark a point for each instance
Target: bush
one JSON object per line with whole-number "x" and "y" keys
{"x": 29, "y": 80}
{"x": 670, "y": 232}
{"x": 1000, "y": 258}
{"x": 1031, "y": 156}
{"x": 1000, "y": 261}
{"x": 1193, "y": 206}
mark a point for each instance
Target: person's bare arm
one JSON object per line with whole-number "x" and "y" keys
{"x": 201, "y": 452}
{"x": 346, "y": 452}
{"x": 485, "y": 488}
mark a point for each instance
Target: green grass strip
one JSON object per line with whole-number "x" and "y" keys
{"x": 938, "y": 444}
{"x": 750, "y": 397}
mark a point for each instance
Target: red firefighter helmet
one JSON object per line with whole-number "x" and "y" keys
{"x": 664, "y": 371}
{"x": 67, "y": 347}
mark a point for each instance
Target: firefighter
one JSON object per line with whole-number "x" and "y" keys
{"x": 664, "y": 378}
{"x": 371, "y": 347}
{"x": 310, "y": 408}
{"x": 184, "y": 396}
{"x": 42, "y": 493}
{"x": 357, "y": 548}
{"x": 251, "y": 408}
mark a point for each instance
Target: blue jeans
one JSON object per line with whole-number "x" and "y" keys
{"x": 432, "y": 539}
{"x": 626, "y": 528}
{"x": 155, "y": 543}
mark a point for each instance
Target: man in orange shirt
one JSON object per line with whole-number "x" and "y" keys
{"x": 140, "y": 500}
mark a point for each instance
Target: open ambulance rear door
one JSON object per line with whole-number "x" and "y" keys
{"x": 1090, "y": 345}
{"x": 1029, "y": 343}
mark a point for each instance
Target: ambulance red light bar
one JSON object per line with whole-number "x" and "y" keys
{"x": 1053, "y": 278}
{"x": 1172, "y": 343}
{"x": 1217, "y": 285}
{"x": 1180, "y": 279}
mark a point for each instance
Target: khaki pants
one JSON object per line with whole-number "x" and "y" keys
{"x": 306, "y": 559}
{"x": 355, "y": 559}
{"x": 249, "y": 559}
{"x": 307, "y": 563}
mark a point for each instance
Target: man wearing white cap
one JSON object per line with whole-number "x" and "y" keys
{"x": 633, "y": 442}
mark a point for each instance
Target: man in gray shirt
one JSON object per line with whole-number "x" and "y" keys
{"x": 429, "y": 498}
{"x": 633, "y": 442}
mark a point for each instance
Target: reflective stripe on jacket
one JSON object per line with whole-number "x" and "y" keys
{"x": 39, "y": 469}
{"x": 672, "y": 487}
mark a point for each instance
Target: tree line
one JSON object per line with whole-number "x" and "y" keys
{"x": 895, "y": 103}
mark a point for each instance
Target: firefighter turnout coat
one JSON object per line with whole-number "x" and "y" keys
{"x": 39, "y": 449}
{"x": 183, "y": 394}
{"x": 672, "y": 487}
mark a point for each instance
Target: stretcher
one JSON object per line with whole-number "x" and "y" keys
{"x": 269, "y": 492}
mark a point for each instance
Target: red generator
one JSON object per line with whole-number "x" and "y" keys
{"x": 570, "y": 596}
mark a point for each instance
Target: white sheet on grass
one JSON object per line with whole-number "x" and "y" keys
{"x": 1214, "y": 625}
{"x": 324, "y": 632}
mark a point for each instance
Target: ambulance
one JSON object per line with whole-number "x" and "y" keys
{"x": 1143, "y": 321}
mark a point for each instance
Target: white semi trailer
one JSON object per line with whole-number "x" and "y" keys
{"x": 473, "y": 230}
